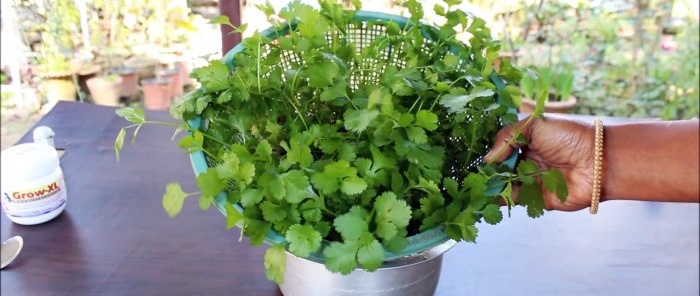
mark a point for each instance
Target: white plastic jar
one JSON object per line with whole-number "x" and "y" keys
{"x": 33, "y": 188}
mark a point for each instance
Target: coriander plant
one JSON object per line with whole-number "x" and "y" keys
{"x": 346, "y": 132}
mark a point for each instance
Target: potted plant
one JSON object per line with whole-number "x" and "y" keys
{"x": 105, "y": 89}
{"x": 358, "y": 159}
{"x": 553, "y": 84}
{"x": 157, "y": 93}
{"x": 56, "y": 74}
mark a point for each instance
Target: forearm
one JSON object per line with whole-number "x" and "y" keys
{"x": 654, "y": 161}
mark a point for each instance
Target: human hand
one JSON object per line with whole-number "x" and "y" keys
{"x": 553, "y": 142}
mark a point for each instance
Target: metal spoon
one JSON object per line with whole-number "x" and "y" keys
{"x": 10, "y": 249}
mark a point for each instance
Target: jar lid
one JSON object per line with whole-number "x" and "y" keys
{"x": 28, "y": 161}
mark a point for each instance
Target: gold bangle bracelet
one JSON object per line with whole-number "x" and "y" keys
{"x": 597, "y": 166}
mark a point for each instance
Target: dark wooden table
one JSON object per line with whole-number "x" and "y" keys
{"x": 114, "y": 238}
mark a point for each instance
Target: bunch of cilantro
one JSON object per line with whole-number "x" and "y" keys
{"x": 346, "y": 145}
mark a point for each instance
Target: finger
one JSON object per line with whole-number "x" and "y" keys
{"x": 505, "y": 140}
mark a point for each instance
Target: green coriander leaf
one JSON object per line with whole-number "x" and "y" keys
{"x": 462, "y": 227}
{"x": 526, "y": 169}
{"x": 232, "y": 216}
{"x": 554, "y": 181}
{"x": 246, "y": 173}
{"x": 391, "y": 214}
{"x": 273, "y": 212}
{"x": 220, "y": 20}
{"x": 353, "y": 185}
{"x": 250, "y": 197}
{"x": 340, "y": 257}
{"x": 296, "y": 184}
{"x": 347, "y": 152}
{"x": 380, "y": 160}
{"x": 358, "y": 120}
{"x": 275, "y": 188}
{"x": 303, "y": 240}
{"x": 173, "y": 199}
{"x": 131, "y": 114}
{"x": 441, "y": 87}
{"x": 264, "y": 150}
{"x": 371, "y": 256}
{"x": 275, "y": 263}
{"x": 530, "y": 196}
{"x": 397, "y": 243}
{"x": 119, "y": 142}
{"x": 476, "y": 184}
{"x": 256, "y": 230}
{"x": 427, "y": 120}
{"x": 417, "y": 135}
{"x": 321, "y": 74}
{"x": 266, "y": 8}
{"x": 431, "y": 203}
{"x": 334, "y": 175}
{"x": 492, "y": 214}
{"x": 213, "y": 77}
{"x": 456, "y": 103}
{"x": 350, "y": 226}
{"x": 205, "y": 202}
{"x": 451, "y": 61}
{"x": 507, "y": 195}
{"x": 210, "y": 184}
{"x": 224, "y": 97}
{"x": 338, "y": 90}
{"x": 439, "y": 9}
{"x": 451, "y": 186}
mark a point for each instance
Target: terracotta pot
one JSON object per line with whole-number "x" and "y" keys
{"x": 86, "y": 72}
{"x": 129, "y": 82}
{"x": 528, "y": 106}
{"x": 104, "y": 91}
{"x": 175, "y": 80}
{"x": 184, "y": 68}
{"x": 58, "y": 86}
{"x": 156, "y": 93}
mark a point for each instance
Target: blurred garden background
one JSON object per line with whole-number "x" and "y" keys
{"x": 629, "y": 58}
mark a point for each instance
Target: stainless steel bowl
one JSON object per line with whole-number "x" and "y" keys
{"x": 415, "y": 275}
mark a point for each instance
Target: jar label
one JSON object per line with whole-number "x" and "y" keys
{"x": 35, "y": 202}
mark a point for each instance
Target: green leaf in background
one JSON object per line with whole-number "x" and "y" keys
{"x": 275, "y": 263}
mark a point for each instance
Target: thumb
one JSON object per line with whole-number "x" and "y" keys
{"x": 505, "y": 142}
